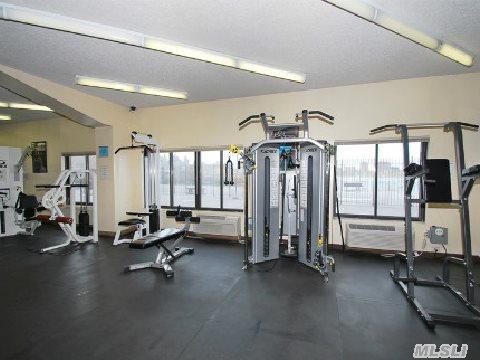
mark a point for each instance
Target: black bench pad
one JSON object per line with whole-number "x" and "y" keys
{"x": 131, "y": 222}
{"x": 154, "y": 240}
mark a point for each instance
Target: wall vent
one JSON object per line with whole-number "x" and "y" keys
{"x": 219, "y": 226}
{"x": 381, "y": 237}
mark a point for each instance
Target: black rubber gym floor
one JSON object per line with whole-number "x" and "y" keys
{"x": 83, "y": 306}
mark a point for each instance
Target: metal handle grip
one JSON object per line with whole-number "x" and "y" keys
{"x": 473, "y": 127}
{"x": 383, "y": 128}
{"x": 321, "y": 113}
{"x": 255, "y": 117}
{"x": 243, "y": 122}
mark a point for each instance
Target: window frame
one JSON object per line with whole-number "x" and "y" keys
{"x": 198, "y": 180}
{"x": 423, "y": 155}
{"x": 67, "y": 167}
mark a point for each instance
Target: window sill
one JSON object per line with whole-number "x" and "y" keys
{"x": 372, "y": 217}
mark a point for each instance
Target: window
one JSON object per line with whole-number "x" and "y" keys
{"x": 356, "y": 179}
{"x": 165, "y": 179}
{"x": 195, "y": 179}
{"x": 370, "y": 179}
{"x": 210, "y": 179}
{"x": 390, "y": 179}
{"x": 80, "y": 162}
{"x": 184, "y": 179}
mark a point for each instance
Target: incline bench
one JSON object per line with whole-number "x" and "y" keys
{"x": 166, "y": 254}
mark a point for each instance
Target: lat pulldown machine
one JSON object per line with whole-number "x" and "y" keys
{"x": 147, "y": 220}
{"x": 436, "y": 181}
{"x": 290, "y": 183}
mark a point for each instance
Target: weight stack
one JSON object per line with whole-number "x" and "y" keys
{"x": 83, "y": 223}
{"x": 154, "y": 219}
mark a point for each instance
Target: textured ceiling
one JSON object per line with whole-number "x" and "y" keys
{"x": 332, "y": 47}
{"x": 18, "y": 114}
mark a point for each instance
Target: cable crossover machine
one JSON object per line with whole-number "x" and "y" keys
{"x": 290, "y": 179}
{"x": 435, "y": 176}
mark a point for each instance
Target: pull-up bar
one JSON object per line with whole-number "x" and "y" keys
{"x": 445, "y": 126}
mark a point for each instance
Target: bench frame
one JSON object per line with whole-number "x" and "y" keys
{"x": 165, "y": 256}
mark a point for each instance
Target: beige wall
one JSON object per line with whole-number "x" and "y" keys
{"x": 61, "y": 135}
{"x": 118, "y": 121}
{"x": 357, "y": 109}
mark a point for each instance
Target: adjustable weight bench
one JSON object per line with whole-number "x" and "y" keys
{"x": 166, "y": 254}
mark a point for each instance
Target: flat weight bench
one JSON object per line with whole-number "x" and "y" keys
{"x": 166, "y": 255}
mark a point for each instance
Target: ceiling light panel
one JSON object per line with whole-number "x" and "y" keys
{"x": 91, "y": 29}
{"x": 5, "y": 117}
{"x": 372, "y": 14}
{"x": 131, "y": 88}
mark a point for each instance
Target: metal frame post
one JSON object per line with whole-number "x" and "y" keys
{"x": 456, "y": 129}
{"x": 402, "y": 129}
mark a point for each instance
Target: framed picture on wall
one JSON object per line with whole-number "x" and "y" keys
{"x": 39, "y": 157}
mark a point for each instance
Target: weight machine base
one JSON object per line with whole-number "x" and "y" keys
{"x": 431, "y": 318}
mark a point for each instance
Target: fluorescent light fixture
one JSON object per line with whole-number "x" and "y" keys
{"x": 356, "y": 7}
{"x": 63, "y": 23}
{"x": 456, "y": 54}
{"x": 24, "y": 106}
{"x": 189, "y": 52}
{"x": 106, "y": 84}
{"x": 91, "y": 29}
{"x": 406, "y": 31}
{"x": 148, "y": 90}
{"x": 5, "y": 117}
{"x": 270, "y": 71}
{"x": 34, "y": 107}
{"x": 132, "y": 88}
{"x": 372, "y": 14}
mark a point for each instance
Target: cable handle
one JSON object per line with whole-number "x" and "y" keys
{"x": 228, "y": 173}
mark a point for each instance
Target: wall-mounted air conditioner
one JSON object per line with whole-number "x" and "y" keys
{"x": 382, "y": 237}
{"x": 218, "y": 226}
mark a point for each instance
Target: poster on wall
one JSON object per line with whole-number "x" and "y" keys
{"x": 39, "y": 157}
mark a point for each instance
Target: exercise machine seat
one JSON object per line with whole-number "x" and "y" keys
{"x": 131, "y": 222}
{"x": 157, "y": 239}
